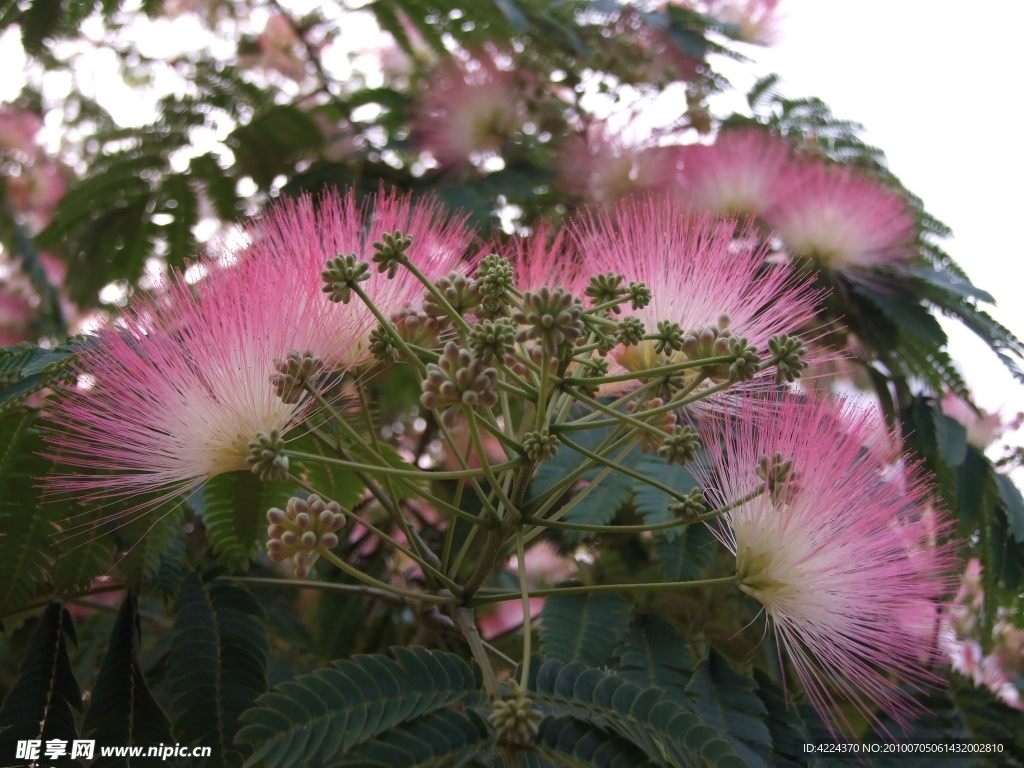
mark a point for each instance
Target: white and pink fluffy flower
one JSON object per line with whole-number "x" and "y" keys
{"x": 838, "y": 547}
{"x": 468, "y": 109}
{"x": 699, "y": 270}
{"x": 172, "y": 393}
{"x": 735, "y": 175}
{"x": 299, "y": 236}
{"x": 602, "y": 168}
{"x": 983, "y": 428}
{"x": 840, "y": 218}
{"x": 546, "y": 258}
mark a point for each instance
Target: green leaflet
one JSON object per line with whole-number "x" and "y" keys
{"x": 122, "y": 709}
{"x": 666, "y": 733}
{"x": 25, "y": 547}
{"x": 583, "y": 628}
{"x": 442, "y": 739}
{"x": 686, "y": 556}
{"x": 43, "y": 701}
{"x": 788, "y": 733}
{"x": 727, "y": 701}
{"x": 653, "y": 653}
{"x": 217, "y": 666}
{"x": 328, "y": 713}
{"x": 589, "y": 745}
{"x": 233, "y": 507}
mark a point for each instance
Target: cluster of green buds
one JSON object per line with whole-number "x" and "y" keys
{"x": 266, "y": 456}
{"x": 719, "y": 341}
{"x": 776, "y": 471}
{"x": 553, "y": 318}
{"x": 459, "y": 379}
{"x": 294, "y": 372}
{"x": 301, "y": 530}
{"x": 515, "y": 717}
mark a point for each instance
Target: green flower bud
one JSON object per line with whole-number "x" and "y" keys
{"x": 390, "y": 252}
{"x": 342, "y": 273}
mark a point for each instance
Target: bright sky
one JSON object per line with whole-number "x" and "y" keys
{"x": 936, "y": 85}
{"x": 933, "y": 85}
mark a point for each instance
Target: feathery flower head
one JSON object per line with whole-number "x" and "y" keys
{"x": 701, "y": 273}
{"x": 603, "y": 168}
{"x": 545, "y": 258}
{"x": 735, "y": 175}
{"x": 183, "y": 385}
{"x": 468, "y": 109}
{"x": 840, "y": 218}
{"x": 982, "y": 429}
{"x": 755, "y": 20}
{"x": 838, "y": 548}
{"x": 300, "y": 236}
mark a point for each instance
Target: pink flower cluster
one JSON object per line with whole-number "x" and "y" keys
{"x": 468, "y": 108}
{"x": 838, "y": 546}
{"x": 34, "y": 182}
{"x": 983, "y": 428}
{"x": 831, "y": 530}
{"x": 960, "y": 640}
{"x": 175, "y": 390}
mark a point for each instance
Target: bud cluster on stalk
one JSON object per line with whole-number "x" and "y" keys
{"x": 303, "y": 529}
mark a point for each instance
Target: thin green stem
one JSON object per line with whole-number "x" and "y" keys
{"x": 330, "y": 586}
{"x": 648, "y": 373}
{"x": 436, "y": 295}
{"x": 387, "y": 326}
{"x": 355, "y": 573}
{"x": 623, "y": 470}
{"x": 655, "y": 586}
{"x": 485, "y": 464}
{"x": 622, "y": 417}
{"x": 488, "y": 508}
{"x": 419, "y": 559}
{"x": 524, "y": 589}
{"x": 710, "y": 515}
{"x": 396, "y": 472}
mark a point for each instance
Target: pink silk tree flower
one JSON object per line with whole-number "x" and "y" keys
{"x": 755, "y": 21}
{"x": 838, "y": 547}
{"x": 467, "y": 110}
{"x": 734, "y": 176}
{"x": 703, "y": 273}
{"x": 299, "y": 236}
{"x": 178, "y": 389}
{"x": 602, "y": 168}
{"x": 840, "y": 218}
{"x": 545, "y": 258}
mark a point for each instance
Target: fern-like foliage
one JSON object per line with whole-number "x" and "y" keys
{"x": 25, "y": 546}
{"x": 728, "y": 701}
{"x": 26, "y": 369}
{"x": 583, "y": 628}
{"x": 787, "y": 729}
{"x": 668, "y": 734}
{"x": 218, "y": 666}
{"x": 328, "y": 713}
{"x": 442, "y": 739}
{"x": 43, "y": 701}
{"x": 122, "y": 709}
{"x": 233, "y": 507}
{"x": 653, "y": 653}
{"x": 586, "y": 745}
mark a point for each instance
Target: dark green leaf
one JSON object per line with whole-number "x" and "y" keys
{"x": 217, "y": 666}
{"x": 42, "y": 703}
{"x": 728, "y": 701}
{"x": 122, "y": 709}
{"x": 1012, "y": 504}
{"x": 584, "y": 628}
{"x": 653, "y": 653}
{"x": 333, "y": 710}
